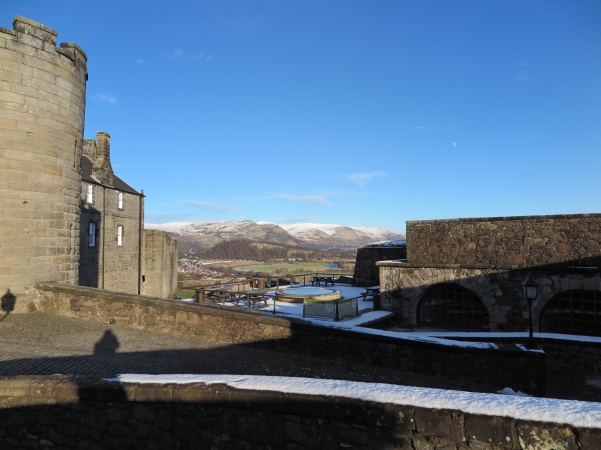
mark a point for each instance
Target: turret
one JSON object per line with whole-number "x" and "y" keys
{"x": 43, "y": 107}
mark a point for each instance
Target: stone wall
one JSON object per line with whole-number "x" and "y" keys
{"x": 62, "y": 412}
{"x": 122, "y": 262}
{"x": 507, "y": 366}
{"x": 519, "y": 242}
{"x": 499, "y": 289}
{"x": 42, "y": 106}
{"x": 211, "y": 324}
{"x": 159, "y": 265}
{"x": 367, "y": 272}
{"x": 490, "y": 257}
{"x": 110, "y": 265}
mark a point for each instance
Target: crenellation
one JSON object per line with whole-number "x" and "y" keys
{"x": 6, "y": 34}
{"x": 35, "y": 44}
{"x": 74, "y": 51}
{"x": 34, "y": 29}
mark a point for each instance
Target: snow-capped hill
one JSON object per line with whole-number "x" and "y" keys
{"x": 207, "y": 234}
{"x": 339, "y": 236}
{"x": 314, "y": 235}
{"x": 299, "y": 229}
{"x": 306, "y": 229}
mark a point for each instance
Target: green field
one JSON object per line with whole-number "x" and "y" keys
{"x": 296, "y": 268}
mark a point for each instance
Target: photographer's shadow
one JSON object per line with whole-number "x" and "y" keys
{"x": 107, "y": 344}
{"x": 8, "y": 303}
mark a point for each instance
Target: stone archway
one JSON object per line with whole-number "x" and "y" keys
{"x": 576, "y": 311}
{"x": 449, "y": 305}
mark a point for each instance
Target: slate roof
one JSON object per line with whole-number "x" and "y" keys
{"x": 118, "y": 183}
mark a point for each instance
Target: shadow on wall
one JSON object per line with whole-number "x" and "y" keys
{"x": 498, "y": 289}
{"x": 8, "y": 303}
{"x": 90, "y": 245}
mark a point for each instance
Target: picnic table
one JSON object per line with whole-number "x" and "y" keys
{"x": 323, "y": 279}
{"x": 252, "y": 296}
{"x": 371, "y": 292}
{"x": 216, "y": 295}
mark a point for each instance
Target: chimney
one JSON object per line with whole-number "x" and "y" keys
{"x": 102, "y": 169}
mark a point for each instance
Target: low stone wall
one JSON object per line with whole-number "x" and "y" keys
{"x": 62, "y": 412}
{"x": 366, "y": 271}
{"x": 211, "y": 324}
{"x": 571, "y": 356}
{"x": 497, "y": 367}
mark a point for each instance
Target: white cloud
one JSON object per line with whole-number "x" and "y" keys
{"x": 202, "y": 56}
{"x": 183, "y": 55}
{"x": 522, "y": 76}
{"x": 142, "y": 61}
{"x": 177, "y": 53}
{"x": 163, "y": 217}
{"x": 311, "y": 218}
{"x": 315, "y": 199}
{"x": 208, "y": 205}
{"x": 362, "y": 178}
{"x": 105, "y": 98}
{"x": 330, "y": 194}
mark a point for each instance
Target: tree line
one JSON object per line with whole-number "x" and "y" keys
{"x": 244, "y": 249}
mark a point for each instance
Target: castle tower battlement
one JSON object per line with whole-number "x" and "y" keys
{"x": 42, "y": 110}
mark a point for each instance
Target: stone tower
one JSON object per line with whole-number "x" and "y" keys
{"x": 42, "y": 106}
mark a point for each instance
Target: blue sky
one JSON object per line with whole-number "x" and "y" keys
{"x": 363, "y": 113}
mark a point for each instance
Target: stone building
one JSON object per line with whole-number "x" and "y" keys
{"x": 468, "y": 273}
{"x": 111, "y": 223}
{"x": 49, "y": 231}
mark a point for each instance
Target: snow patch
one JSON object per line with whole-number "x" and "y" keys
{"x": 574, "y": 413}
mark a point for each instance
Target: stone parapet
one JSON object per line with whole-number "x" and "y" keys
{"x": 73, "y": 412}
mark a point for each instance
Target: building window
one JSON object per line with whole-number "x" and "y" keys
{"x": 573, "y": 312}
{"x": 92, "y": 235}
{"x": 449, "y": 305}
{"x": 89, "y": 193}
{"x": 120, "y": 200}
{"x": 119, "y": 235}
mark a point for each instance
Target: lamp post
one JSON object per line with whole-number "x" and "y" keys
{"x": 530, "y": 288}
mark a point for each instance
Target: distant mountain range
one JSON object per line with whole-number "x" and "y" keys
{"x": 310, "y": 235}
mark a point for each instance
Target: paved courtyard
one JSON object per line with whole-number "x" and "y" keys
{"x": 44, "y": 344}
